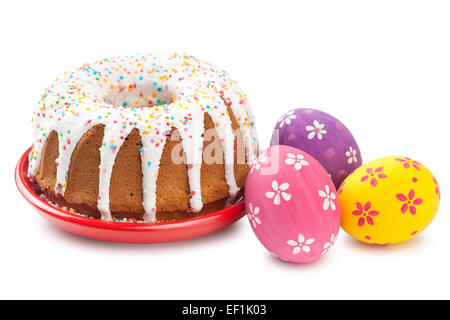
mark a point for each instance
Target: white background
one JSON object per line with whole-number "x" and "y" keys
{"x": 381, "y": 67}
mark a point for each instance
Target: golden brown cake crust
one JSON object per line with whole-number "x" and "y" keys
{"x": 126, "y": 192}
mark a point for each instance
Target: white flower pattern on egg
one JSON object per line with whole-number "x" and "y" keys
{"x": 351, "y": 155}
{"x": 316, "y": 129}
{"x": 252, "y": 215}
{"x": 327, "y": 245}
{"x": 279, "y": 191}
{"x": 261, "y": 160}
{"x": 286, "y": 119}
{"x": 329, "y": 197}
{"x": 301, "y": 244}
{"x": 296, "y": 160}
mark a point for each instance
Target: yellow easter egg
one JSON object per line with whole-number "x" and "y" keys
{"x": 388, "y": 200}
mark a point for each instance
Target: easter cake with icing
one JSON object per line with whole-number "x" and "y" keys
{"x": 151, "y": 137}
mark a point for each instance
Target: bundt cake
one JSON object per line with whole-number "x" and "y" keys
{"x": 150, "y": 137}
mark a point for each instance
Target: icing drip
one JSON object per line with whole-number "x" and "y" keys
{"x": 154, "y": 94}
{"x": 151, "y": 158}
{"x": 107, "y": 160}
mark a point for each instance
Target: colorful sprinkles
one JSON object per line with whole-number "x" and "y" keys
{"x": 73, "y": 211}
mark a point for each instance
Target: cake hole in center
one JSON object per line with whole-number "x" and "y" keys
{"x": 143, "y": 95}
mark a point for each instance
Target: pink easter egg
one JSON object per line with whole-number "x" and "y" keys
{"x": 291, "y": 204}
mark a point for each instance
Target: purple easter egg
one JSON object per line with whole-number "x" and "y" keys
{"x": 324, "y": 137}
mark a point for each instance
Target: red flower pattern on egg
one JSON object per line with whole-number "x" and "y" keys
{"x": 374, "y": 175}
{"x": 437, "y": 190}
{"x": 408, "y": 163}
{"x": 409, "y": 202}
{"x": 341, "y": 188}
{"x": 365, "y": 214}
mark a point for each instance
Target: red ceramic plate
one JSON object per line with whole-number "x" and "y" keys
{"x": 122, "y": 231}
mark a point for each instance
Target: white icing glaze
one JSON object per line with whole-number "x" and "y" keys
{"x": 154, "y": 94}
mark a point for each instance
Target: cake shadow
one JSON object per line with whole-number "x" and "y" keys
{"x": 219, "y": 235}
